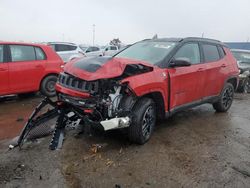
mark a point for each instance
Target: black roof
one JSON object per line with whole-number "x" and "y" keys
{"x": 198, "y": 39}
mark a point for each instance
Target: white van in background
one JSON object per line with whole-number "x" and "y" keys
{"x": 110, "y": 50}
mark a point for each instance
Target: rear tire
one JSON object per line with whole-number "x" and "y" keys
{"x": 48, "y": 86}
{"x": 226, "y": 99}
{"x": 246, "y": 86}
{"x": 143, "y": 121}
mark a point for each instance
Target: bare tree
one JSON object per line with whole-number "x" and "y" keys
{"x": 116, "y": 42}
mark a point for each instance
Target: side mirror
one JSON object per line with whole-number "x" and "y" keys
{"x": 106, "y": 49}
{"x": 180, "y": 63}
{"x": 87, "y": 51}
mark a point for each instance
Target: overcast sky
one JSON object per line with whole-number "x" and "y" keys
{"x": 130, "y": 20}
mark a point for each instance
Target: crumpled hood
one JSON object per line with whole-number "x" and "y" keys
{"x": 94, "y": 68}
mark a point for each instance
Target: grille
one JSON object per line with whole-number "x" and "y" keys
{"x": 75, "y": 83}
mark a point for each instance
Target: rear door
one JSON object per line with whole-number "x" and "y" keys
{"x": 25, "y": 71}
{"x": 4, "y": 71}
{"x": 186, "y": 83}
{"x": 216, "y": 71}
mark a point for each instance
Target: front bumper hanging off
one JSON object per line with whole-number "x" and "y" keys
{"x": 66, "y": 114}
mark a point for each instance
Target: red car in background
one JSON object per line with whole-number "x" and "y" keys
{"x": 26, "y": 68}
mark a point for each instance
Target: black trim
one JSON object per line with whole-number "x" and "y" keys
{"x": 7, "y": 53}
{"x": 91, "y": 64}
{"x": 210, "y": 99}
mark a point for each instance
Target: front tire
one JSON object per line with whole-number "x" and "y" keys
{"x": 143, "y": 121}
{"x": 226, "y": 98}
{"x": 48, "y": 86}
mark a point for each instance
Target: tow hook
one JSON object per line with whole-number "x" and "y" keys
{"x": 116, "y": 123}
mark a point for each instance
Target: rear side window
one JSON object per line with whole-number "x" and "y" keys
{"x": 71, "y": 48}
{"x": 211, "y": 53}
{"x": 40, "y": 55}
{"x": 1, "y": 53}
{"x": 65, "y": 47}
{"x": 190, "y": 52}
{"x": 61, "y": 47}
{"x": 22, "y": 53}
{"x": 95, "y": 49}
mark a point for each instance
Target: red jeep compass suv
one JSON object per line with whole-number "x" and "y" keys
{"x": 27, "y": 68}
{"x": 150, "y": 79}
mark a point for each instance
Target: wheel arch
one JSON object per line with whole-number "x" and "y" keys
{"x": 46, "y": 75}
{"x": 157, "y": 97}
{"x": 233, "y": 81}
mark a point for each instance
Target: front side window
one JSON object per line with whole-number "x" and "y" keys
{"x": 152, "y": 52}
{"x": 211, "y": 53}
{"x": 40, "y": 55}
{"x": 1, "y": 53}
{"x": 189, "y": 52}
{"x": 22, "y": 53}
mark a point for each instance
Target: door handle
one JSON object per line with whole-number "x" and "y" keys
{"x": 200, "y": 69}
{"x": 223, "y": 65}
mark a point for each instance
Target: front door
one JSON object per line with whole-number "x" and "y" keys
{"x": 186, "y": 83}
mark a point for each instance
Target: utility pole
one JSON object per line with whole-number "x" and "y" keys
{"x": 93, "y": 34}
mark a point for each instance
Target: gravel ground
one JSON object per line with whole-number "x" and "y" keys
{"x": 194, "y": 148}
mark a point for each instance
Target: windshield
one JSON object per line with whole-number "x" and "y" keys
{"x": 149, "y": 51}
{"x": 242, "y": 57}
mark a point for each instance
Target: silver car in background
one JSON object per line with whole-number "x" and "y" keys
{"x": 90, "y": 51}
{"x": 67, "y": 51}
{"x": 243, "y": 61}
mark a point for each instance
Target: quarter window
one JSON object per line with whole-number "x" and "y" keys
{"x": 221, "y": 51}
{"x": 190, "y": 52}
{"x": 40, "y": 54}
{"x": 210, "y": 52}
{"x": 1, "y": 53}
{"x": 22, "y": 53}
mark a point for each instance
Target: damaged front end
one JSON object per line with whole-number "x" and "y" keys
{"x": 91, "y": 92}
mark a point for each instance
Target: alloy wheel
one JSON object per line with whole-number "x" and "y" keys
{"x": 227, "y": 97}
{"x": 148, "y": 122}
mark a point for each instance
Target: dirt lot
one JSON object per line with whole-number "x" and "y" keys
{"x": 195, "y": 148}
